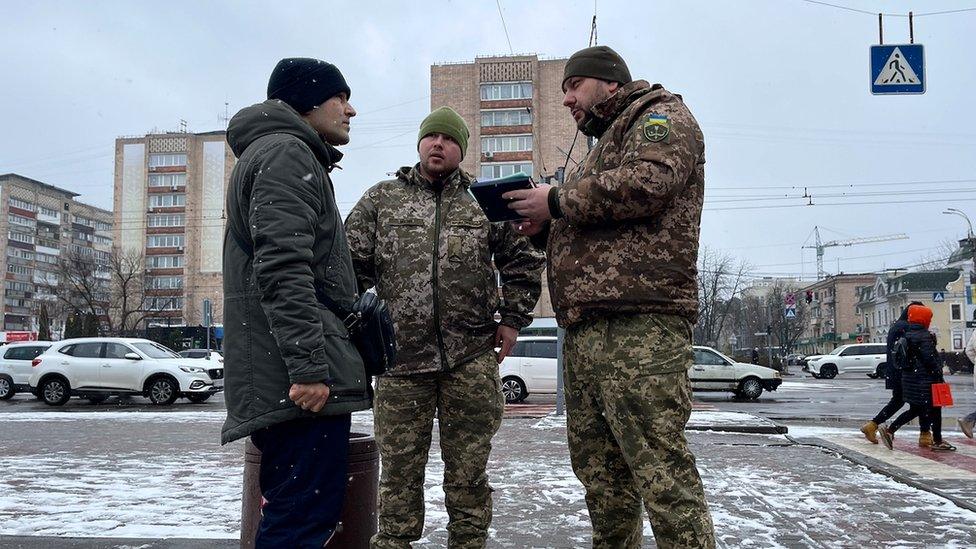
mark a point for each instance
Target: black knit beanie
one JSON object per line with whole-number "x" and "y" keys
{"x": 597, "y": 62}
{"x": 305, "y": 83}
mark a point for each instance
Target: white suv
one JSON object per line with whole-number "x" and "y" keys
{"x": 15, "y": 366}
{"x": 529, "y": 368}
{"x": 869, "y": 358}
{"x": 96, "y": 368}
{"x": 713, "y": 371}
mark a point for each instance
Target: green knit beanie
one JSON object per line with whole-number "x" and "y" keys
{"x": 444, "y": 120}
{"x": 597, "y": 62}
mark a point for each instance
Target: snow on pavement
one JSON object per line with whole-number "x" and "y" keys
{"x": 762, "y": 491}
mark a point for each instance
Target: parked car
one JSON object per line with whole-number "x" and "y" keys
{"x": 216, "y": 356}
{"x": 868, "y": 358}
{"x": 15, "y": 366}
{"x": 713, "y": 371}
{"x": 96, "y": 368}
{"x": 529, "y": 368}
{"x": 795, "y": 359}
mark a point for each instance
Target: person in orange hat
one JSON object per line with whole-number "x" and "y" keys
{"x": 917, "y": 357}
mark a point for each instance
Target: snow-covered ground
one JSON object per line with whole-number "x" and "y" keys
{"x": 763, "y": 490}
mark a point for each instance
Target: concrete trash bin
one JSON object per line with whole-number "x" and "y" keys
{"x": 357, "y": 522}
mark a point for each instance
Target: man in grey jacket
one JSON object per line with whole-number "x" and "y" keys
{"x": 292, "y": 375}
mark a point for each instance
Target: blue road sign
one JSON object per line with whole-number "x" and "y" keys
{"x": 897, "y": 69}
{"x": 938, "y": 297}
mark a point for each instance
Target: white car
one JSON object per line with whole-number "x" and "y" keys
{"x": 216, "y": 356}
{"x": 15, "y": 366}
{"x": 868, "y": 358}
{"x": 713, "y": 371}
{"x": 529, "y": 368}
{"x": 96, "y": 368}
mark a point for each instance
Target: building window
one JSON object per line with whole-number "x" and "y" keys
{"x": 103, "y": 240}
{"x": 21, "y": 220}
{"x": 167, "y": 220}
{"x": 955, "y": 311}
{"x": 21, "y": 237}
{"x": 165, "y": 160}
{"x": 165, "y": 241}
{"x": 166, "y": 282}
{"x": 165, "y": 261}
{"x": 506, "y": 143}
{"x": 507, "y": 90}
{"x": 21, "y": 254}
{"x": 19, "y": 269}
{"x": 83, "y": 221}
{"x": 508, "y": 117}
{"x": 46, "y": 258}
{"x": 494, "y": 171}
{"x": 23, "y": 205}
{"x": 167, "y": 179}
{"x": 18, "y": 286}
{"x": 166, "y": 200}
{"x": 48, "y": 212}
{"x": 163, "y": 303}
{"x": 102, "y": 226}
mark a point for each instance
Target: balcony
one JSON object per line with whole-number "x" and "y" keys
{"x": 47, "y": 250}
{"x": 50, "y": 219}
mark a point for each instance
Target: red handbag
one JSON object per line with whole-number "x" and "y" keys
{"x": 941, "y": 395}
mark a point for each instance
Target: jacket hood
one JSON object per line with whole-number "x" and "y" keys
{"x": 603, "y": 114}
{"x": 275, "y": 116}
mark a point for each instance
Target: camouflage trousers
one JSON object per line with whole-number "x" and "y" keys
{"x": 469, "y": 404}
{"x": 627, "y": 400}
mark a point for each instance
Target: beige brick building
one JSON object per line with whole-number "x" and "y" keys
{"x": 513, "y": 107}
{"x": 169, "y": 205}
{"x": 42, "y": 223}
{"x": 834, "y": 319}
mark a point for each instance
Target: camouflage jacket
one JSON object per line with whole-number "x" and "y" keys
{"x": 626, "y": 236}
{"x": 429, "y": 255}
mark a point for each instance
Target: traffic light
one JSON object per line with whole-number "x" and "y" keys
{"x": 809, "y": 296}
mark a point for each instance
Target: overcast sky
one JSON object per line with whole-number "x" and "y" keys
{"x": 780, "y": 87}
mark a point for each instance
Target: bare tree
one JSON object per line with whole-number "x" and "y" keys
{"x": 720, "y": 279}
{"x": 938, "y": 256}
{"x": 115, "y": 289}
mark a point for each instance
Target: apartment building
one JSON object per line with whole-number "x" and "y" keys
{"x": 42, "y": 224}
{"x": 513, "y": 108}
{"x": 169, "y": 200}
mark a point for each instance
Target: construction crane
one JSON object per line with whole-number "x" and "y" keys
{"x": 866, "y": 240}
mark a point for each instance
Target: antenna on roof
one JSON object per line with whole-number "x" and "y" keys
{"x": 226, "y": 116}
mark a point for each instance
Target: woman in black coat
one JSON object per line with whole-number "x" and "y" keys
{"x": 920, "y": 368}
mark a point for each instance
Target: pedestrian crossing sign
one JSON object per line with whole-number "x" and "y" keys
{"x": 897, "y": 69}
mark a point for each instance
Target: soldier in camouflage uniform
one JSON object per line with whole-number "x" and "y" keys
{"x": 622, "y": 247}
{"x": 422, "y": 241}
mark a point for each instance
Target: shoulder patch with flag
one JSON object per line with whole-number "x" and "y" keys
{"x": 656, "y": 127}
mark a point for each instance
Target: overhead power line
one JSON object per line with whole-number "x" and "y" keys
{"x": 874, "y": 13}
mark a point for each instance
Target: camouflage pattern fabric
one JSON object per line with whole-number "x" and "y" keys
{"x": 430, "y": 256}
{"x": 468, "y": 402}
{"x": 627, "y": 241}
{"x": 628, "y": 399}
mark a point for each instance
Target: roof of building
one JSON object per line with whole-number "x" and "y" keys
{"x": 923, "y": 281}
{"x": 41, "y": 184}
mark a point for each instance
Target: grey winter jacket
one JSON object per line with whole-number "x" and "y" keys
{"x": 284, "y": 242}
